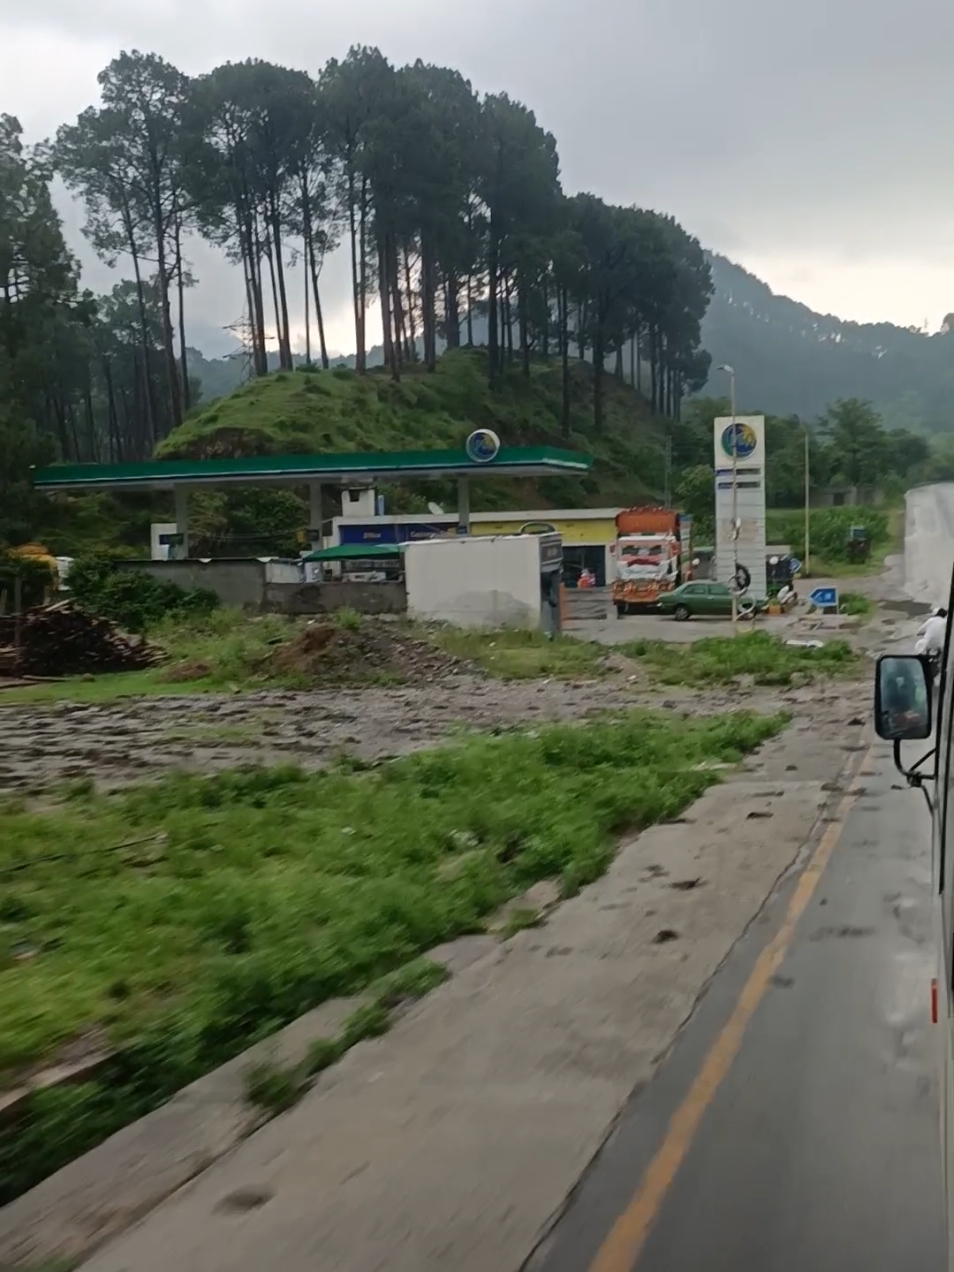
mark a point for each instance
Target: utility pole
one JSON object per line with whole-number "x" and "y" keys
{"x": 808, "y": 504}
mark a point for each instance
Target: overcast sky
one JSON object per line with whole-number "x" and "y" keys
{"x": 809, "y": 140}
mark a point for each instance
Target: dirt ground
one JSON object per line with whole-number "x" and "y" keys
{"x": 128, "y": 739}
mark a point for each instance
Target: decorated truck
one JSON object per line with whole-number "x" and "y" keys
{"x": 653, "y": 554}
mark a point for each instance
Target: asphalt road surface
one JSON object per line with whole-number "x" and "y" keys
{"x": 794, "y": 1127}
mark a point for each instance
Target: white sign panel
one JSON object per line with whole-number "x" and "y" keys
{"x": 750, "y": 441}
{"x": 740, "y": 499}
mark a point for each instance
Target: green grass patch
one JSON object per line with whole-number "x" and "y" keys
{"x": 720, "y": 660}
{"x": 855, "y": 604}
{"x": 276, "y": 1088}
{"x": 523, "y": 655}
{"x": 273, "y": 1088}
{"x": 223, "y": 650}
{"x": 192, "y": 917}
{"x": 519, "y": 920}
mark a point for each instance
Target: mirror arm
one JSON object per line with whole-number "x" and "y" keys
{"x": 912, "y": 776}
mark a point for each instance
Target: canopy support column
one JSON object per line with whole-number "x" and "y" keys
{"x": 182, "y": 519}
{"x": 314, "y": 515}
{"x": 463, "y": 505}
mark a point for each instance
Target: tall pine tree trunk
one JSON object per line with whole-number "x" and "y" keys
{"x": 115, "y": 444}
{"x": 452, "y": 309}
{"x": 284, "y": 334}
{"x": 428, "y": 303}
{"x": 546, "y": 321}
{"x": 508, "y": 316}
{"x": 356, "y": 233}
{"x": 278, "y": 320}
{"x": 524, "y": 333}
{"x": 390, "y": 358}
{"x": 361, "y": 358}
{"x": 411, "y": 321}
{"x": 149, "y": 402}
{"x": 258, "y": 297}
{"x": 319, "y": 317}
{"x": 183, "y": 359}
{"x": 168, "y": 339}
{"x": 563, "y": 318}
{"x": 493, "y": 348}
{"x": 598, "y": 360}
{"x": 307, "y": 309}
{"x": 394, "y": 284}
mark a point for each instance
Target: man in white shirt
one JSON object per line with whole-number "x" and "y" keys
{"x": 931, "y": 634}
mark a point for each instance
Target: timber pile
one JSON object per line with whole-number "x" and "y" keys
{"x": 62, "y": 640}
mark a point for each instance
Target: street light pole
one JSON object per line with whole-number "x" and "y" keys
{"x": 730, "y": 372}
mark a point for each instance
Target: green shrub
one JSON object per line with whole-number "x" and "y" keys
{"x": 132, "y": 598}
{"x": 829, "y": 529}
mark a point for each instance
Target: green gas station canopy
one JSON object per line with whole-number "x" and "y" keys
{"x": 350, "y": 469}
{"x": 354, "y": 551}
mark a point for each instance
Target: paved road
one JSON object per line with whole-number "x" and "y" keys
{"x": 929, "y": 542}
{"x": 817, "y": 1149}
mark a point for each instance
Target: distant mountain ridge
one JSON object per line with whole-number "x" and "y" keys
{"x": 790, "y": 360}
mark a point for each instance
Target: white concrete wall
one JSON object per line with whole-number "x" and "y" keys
{"x": 486, "y": 582}
{"x": 283, "y": 572}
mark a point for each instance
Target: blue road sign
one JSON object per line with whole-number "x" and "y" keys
{"x": 795, "y": 564}
{"x": 824, "y": 597}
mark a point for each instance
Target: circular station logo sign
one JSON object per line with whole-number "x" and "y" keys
{"x": 745, "y": 440}
{"x": 482, "y": 446}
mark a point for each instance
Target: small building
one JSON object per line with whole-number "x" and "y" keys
{"x": 588, "y": 534}
{"x": 486, "y": 581}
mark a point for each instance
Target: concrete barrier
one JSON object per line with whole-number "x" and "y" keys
{"x": 583, "y": 604}
{"x": 323, "y": 598}
{"x": 274, "y": 586}
{"x": 238, "y": 582}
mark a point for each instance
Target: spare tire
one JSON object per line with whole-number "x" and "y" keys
{"x": 742, "y": 578}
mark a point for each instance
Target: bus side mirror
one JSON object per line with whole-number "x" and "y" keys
{"x": 902, "y": 709}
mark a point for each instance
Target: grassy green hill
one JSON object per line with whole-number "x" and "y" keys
{"x": 337, "y": 410}
{"x": 308, "y": 411}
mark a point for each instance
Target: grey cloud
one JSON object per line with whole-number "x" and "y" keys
{"x": 813, "y": 129}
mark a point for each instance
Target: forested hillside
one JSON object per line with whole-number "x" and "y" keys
{"x": 791, "y": 360}
{"x": 448, "y": 205}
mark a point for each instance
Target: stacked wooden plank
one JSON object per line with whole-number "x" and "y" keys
{"x": 63, "y": 640}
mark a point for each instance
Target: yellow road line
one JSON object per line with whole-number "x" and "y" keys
{"x": 624, "y": 1244}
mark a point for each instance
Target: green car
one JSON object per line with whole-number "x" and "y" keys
{"x": 712, "y": 600}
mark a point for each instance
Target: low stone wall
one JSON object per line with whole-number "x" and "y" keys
{"x": 323, "y": 598}
{"x": 248, "y": 584}
{"x": 238, "y": 582}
